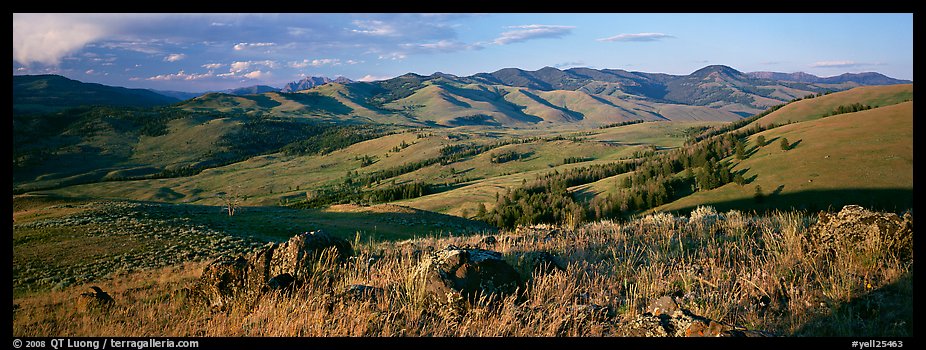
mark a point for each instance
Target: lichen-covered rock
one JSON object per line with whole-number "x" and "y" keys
{"x": 223, "y": 280}
{"x": 679, "y": 323}
{"x": 854, "y": 224}
{"x": 664, "y": 305}
{"x": 298, "y": 256}
{"x": 95, "y": 299}
{"x": 468, "y": 273}
{"x": 279, "y": 266}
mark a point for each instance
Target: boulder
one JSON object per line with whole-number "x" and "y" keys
{"x": 664, "y": 318}
{"x": 466, "y": 273}
{"x": 854, "y": 224}
{"x": 663, "y": 306}
{"x": 95, "y": 299}
{"x": 223, "y": 280}
{"x": 489, "y": 241}
{"x": 279, "y": 266}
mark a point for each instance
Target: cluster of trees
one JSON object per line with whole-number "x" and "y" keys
{"x": 855, "y": 107}
{"x": 365, "y": 160}
{"x": 572, "y": 160}
{"x": 614, "y": 125}
{"x": 335, "y": 137}
{"x": 654, "y": 179}
{"x": 507, "y": 156}
{"x": 717, "y": 130}
{"x": 546, "y": 199}
{"x": 400, "y": 147}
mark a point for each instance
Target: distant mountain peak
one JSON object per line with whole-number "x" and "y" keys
{"x": 311, "y": 82}
{"x": 865, "y": 78}
{"x": 717, "y": 68}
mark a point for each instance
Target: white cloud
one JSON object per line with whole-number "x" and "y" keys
{"x": 532, "y": 31}
{"x": 318, "y": 62}
{"x": 89, "y": 72}
{"x": 242, "y": 46}
{"x": 838, "y": 64}
{"x": 374, "y": 27}
{"x": 441, "y": 46}
{"x": 213, "y": 65}
{"x": 174, "y": 57}
{"x": 46, "y": 38}
{"x": 395, "y": 56}
{"x": 637, "y": 37}
{"x": 240, "y": 66}
{"x": 569, "y": 64}
{"x": 369, "y": 77}
{"x": 257, "y": 75}
{"x": 353, "y": 62}
{"x": 181, "y": 75}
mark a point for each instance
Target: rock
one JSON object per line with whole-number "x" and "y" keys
{"x": 96, "y": 299}
{"x": 223, "y": 280}
{"x": 854, "y": 224}
{"x": 679, "y": 323}
{"x": 360, "y": 292}
{"x": 488, "y": 240}
{"x": 665, "y": 305}
{"x": 539, "y": 262}
{"x": 468, "y": 273}
{"x": 278, "y": 266}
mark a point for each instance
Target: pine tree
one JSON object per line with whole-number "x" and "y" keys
{"x": 760, "y": 140}
{"x": 785, "y": 145}
{"x": 759, "y": 196}
{"x": 740, "y": 152}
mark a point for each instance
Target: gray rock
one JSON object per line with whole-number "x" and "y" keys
{"x": 467, "y": 273}
{"x": 854, "y": 224}
{"x": 278, "y": 266}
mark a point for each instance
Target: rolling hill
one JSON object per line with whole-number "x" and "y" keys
{"x": 861, "y": 158}
{"x": 511, "y": 97}
{"x": 48, "y": 93}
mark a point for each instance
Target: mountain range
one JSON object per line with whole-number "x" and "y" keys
{"x": 507, "y": 97}
{"x": 310, "y": 82}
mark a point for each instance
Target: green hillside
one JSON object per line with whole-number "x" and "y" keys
{"x": 862, "y": 158}
{"x": 817, "y": 107}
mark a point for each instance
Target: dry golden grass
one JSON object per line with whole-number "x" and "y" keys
{"x": 761, "y": 272}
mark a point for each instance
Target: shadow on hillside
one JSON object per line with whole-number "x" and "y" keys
{"x": 278, "y": 223}
{"x": 263, "y": 101}
{"x": 794, "y": 145}
{"x": 884, "y": 312}
{"x": 573, "y": 115}
{"x": 317, "y": 102}
{"x": 496, "y": 100}
{"x": 895, "y": 200}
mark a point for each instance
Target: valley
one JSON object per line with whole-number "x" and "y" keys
{"x": 125, "y": 192}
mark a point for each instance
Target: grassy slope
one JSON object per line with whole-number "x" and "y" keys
{"x": 864, "y": 157}
{"x": 621, "y": 142}
{"x": 814, "y": 108}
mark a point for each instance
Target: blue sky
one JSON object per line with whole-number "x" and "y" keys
{"x": 200, "y": 52}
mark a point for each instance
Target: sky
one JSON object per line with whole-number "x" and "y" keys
{"x": 210, "y": 52}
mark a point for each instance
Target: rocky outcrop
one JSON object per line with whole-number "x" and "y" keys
{"x": 854, "y": 224}
{"x": 95, "y": 299}
{"x": 456, "y": 273}
{"x": 664, "y": 318}
{"x": 538, "y": 262}
{"x": 279, "y": 266}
